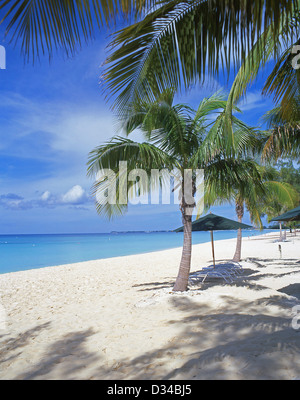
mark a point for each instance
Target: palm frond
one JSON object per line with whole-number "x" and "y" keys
{"x": 280, "y": 197}
{"x": 283, "y": 141}
{"x": 283, "y": 138}
{"x": 261, "y": 53}
{"x": 284, "y": 82}
{"x": 283, "y": 192}
{"x": 44, "y": 26}
{"x": 104, "y": 165}
{"x": 182, "y": 41}
{"x": 229, "y": 179}
{"x": 137, "y": 155}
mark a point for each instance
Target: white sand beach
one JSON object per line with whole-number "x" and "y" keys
{"x": 118, "y": 318}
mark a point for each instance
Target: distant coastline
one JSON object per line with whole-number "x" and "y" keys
{"x": 82, "y": 234}
{"x": 124, "y": 232}
{"x": 113, "y": 232}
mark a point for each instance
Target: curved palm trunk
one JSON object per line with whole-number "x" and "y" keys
{"x": 240, "y": 213}
{"x": 181, "y": 283}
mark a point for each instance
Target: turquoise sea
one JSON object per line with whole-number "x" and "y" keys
{"x": 23, "y": 252}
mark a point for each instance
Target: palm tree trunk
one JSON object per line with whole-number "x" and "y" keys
{"x": 181, "y": 283}
{"x": 186, "y": 208}
{"x": 240, "y": 213}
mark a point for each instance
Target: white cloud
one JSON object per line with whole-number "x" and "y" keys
{"x": 79, "y": 131}
{"x": 74, "y": 128}
{"x": 253, "y": 100}
{"x": 45, "y": 196}
{"x": 58, "y": 135}
{"x": 76, "y": 195}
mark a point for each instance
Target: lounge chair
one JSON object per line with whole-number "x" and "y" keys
{"x": 232, "y": 267}
{"x": 210, "y": 273}
{"x": 226, "y": 271}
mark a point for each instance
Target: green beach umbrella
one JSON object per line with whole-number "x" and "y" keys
{"x": 211, "y": 223}
{"x": 292, "y": 215}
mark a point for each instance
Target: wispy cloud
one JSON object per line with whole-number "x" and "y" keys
{"x": 253, "y": 101}
{"x": 46, "y": 143}
{"x": 72, "y": 128}
{"x": 75, "y": 197}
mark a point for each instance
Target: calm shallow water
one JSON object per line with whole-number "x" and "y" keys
{"x": 23, "y": 252}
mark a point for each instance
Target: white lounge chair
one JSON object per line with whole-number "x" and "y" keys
{"x": 226, "y": 271}
{"x": 210, "y": 273}
{"x": 232, "y": 267}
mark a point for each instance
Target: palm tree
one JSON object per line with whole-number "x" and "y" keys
{"x": 256, "y": 198}
{"x": 239, "y": 208}
{"x": 181, "y": 42}
{"x": 177, "y": 138}
{"x": 199, "y": 35}
{"x": 256, "y": 194}
{"x": 164, "y": 49}
{"x": 243, "y": 193}
{"x": 283, "y": 192}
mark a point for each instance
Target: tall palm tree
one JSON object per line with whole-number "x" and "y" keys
{"x": 255, "y": 198}
{"x": 242, "y": 193}
{"x": 239, "y": 208}
{"x": 256, "y": 194}
{"x": 177, "y": 138}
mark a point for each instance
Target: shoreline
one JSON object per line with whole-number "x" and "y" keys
{"x": 216, "y": 240}
{"x": 118, "y": 318}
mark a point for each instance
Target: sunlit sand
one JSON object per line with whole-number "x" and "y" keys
{"x": 118, "y": 318}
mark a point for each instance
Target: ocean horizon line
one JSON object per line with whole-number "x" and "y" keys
{"x": 116, "y": 232}
{"x": 82, "y": 233}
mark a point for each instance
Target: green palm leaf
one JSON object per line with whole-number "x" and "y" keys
{"x": 44, "y": 26}
{"x": 145, "y": 156}
{"x": 283, "y": 138}
{"x": 181, "y": 41}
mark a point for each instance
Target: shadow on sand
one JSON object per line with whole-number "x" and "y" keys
{"x": 235, "y": 340}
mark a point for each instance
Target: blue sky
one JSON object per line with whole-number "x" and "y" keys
{"x": 51, "y": 116}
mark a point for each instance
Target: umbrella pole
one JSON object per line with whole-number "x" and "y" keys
{"x": 212, "y": 247}
{"x": 280, "y": 224}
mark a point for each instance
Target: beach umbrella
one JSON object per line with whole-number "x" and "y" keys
{"x": 292, "y": 215}
{"x": 211, "y": 223}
